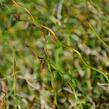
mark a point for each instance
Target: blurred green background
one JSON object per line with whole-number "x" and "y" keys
{"x": 38, "y": 73}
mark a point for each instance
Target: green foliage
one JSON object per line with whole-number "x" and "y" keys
{"x": 54, "y": 54}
